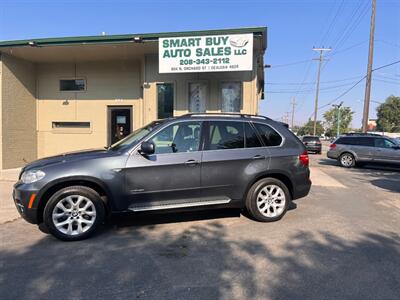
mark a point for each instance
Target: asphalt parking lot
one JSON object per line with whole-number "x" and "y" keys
{"x": 341, "y": 242}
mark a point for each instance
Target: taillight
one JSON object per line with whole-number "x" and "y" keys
{"x": 303, "y": 158}
{"x": 332, "y": 146}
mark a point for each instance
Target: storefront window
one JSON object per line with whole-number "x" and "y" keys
{"x": 197, "y": 96}
{"x": 165, "y": 100}
{"x": 231, "y": 96}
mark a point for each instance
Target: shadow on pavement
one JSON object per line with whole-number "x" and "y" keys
{"x": 203, "y": 261}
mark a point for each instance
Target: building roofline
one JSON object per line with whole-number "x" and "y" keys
{"x": 127, "y": 38}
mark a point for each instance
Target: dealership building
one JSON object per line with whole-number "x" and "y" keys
{"x": 65, "y": 94}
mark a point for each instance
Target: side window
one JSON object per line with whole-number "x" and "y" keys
{"x": 225, "y": 135}
{"x": 181, "y": 137}
{"x": 251, "y": 137}
{"x": 383, "y": 143}
{"x": 269, "y": 136}
{"x": 366, "y": 141}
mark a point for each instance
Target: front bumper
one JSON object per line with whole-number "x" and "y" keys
{"x": 22, "y": 195}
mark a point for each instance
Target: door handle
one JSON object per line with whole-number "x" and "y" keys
{"x": 259, "y": 157}
{"x": 191, "y": 162}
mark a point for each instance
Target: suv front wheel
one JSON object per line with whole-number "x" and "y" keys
{"x": 268, "y": 200}
{"x": 74, "y": 213}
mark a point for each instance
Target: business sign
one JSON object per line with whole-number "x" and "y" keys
{"x": 213, "y": 53}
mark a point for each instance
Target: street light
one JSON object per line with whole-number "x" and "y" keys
{"x": 338, "y": 106}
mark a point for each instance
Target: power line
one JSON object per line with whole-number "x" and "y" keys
{"x": 291, "y": 64}
{"x": 354, "y": 85}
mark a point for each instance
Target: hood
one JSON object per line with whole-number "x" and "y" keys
{"x": 67, "y": 157}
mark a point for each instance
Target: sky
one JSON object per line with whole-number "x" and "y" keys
{"x": 294, "y": 28}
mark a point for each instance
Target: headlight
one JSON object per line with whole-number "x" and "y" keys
{"x": 32, "y": 176}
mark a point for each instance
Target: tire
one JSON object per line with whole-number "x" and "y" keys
{"x": 74, "y": 213}
{"x": 260, "y": 201}
{"x": 347, "y": 160}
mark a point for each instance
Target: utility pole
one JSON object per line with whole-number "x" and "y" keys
{"x": 369, "y": 69}
{"x": 321, "y": 59}
{"x": 293, "y": 106}
{"x": 338, "y": 106}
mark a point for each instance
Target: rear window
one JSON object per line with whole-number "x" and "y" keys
{"x": 356, "y": 141}
{"x": 310, "y": 139}
{"x": 269, "y": 136}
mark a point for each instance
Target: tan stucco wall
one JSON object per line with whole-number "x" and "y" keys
{"x": 30, "y": 101}
{"x": 18, "y": 110}
{"x": 107, "y": 84}
{"x": 181, "y": 81}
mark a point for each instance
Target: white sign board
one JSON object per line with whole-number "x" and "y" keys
{"x": 213, "y": 53}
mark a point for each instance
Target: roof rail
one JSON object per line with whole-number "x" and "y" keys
{"x": 229, "y": 115}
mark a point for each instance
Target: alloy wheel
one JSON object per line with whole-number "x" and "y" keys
{"x": 74, "y": 215}
{"x": 346, "y": 160}
{"x": 271, "y": 201}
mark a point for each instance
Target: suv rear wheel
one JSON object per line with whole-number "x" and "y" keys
{"x": 73, "y": 213}
{"x": 347, "y": 160}
{"x": 268, "y": 200}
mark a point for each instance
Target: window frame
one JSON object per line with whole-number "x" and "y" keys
{"x": 221, "y": 96}
{"x": 72, "y": 78}
{"x": 283, "y": 139}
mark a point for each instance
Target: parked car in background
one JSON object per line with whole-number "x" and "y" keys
{"x": 189, "y": 162}
{"x": 312, "y": 143}
{"x": 359, "y": 149}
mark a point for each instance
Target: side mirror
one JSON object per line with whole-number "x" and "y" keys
{"x": 147, "y": 148}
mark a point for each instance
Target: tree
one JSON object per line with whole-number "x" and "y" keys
{"x": 308, "y": 128}
{"x": 388, "y": 114}
{"x": 331, "y": 118}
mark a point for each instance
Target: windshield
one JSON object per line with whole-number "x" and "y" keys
{"x": 135, "y": 136}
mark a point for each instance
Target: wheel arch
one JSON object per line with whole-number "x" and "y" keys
{"x": 56, "y": 185}
{"x": 285, "y": 178}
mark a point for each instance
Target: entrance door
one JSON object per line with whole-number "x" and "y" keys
{"x": 119, "y": 123}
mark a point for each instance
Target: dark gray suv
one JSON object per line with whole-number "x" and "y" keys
{"x": 193, "y": 161}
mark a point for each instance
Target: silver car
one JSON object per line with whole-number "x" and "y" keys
{"x": 352, "y": 150}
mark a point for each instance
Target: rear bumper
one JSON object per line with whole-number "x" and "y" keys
{"x": 312, "y": 148}
{"x": 302, "y": 186}
{"x": 22, "y": 195}
{"x": 332, "y": 154}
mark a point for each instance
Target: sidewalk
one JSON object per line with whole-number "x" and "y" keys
{"x": 8, "y": 211}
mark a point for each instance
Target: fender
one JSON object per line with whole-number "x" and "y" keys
{"x": 267, "y": 173}
{"x": 93, "y": 180}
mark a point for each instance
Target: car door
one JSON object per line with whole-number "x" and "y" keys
{"x": 363, "y": 147}
{"x": 172, "y": 173}
{"x": 386, "y": 151}
{"x": 232, "y": 156}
